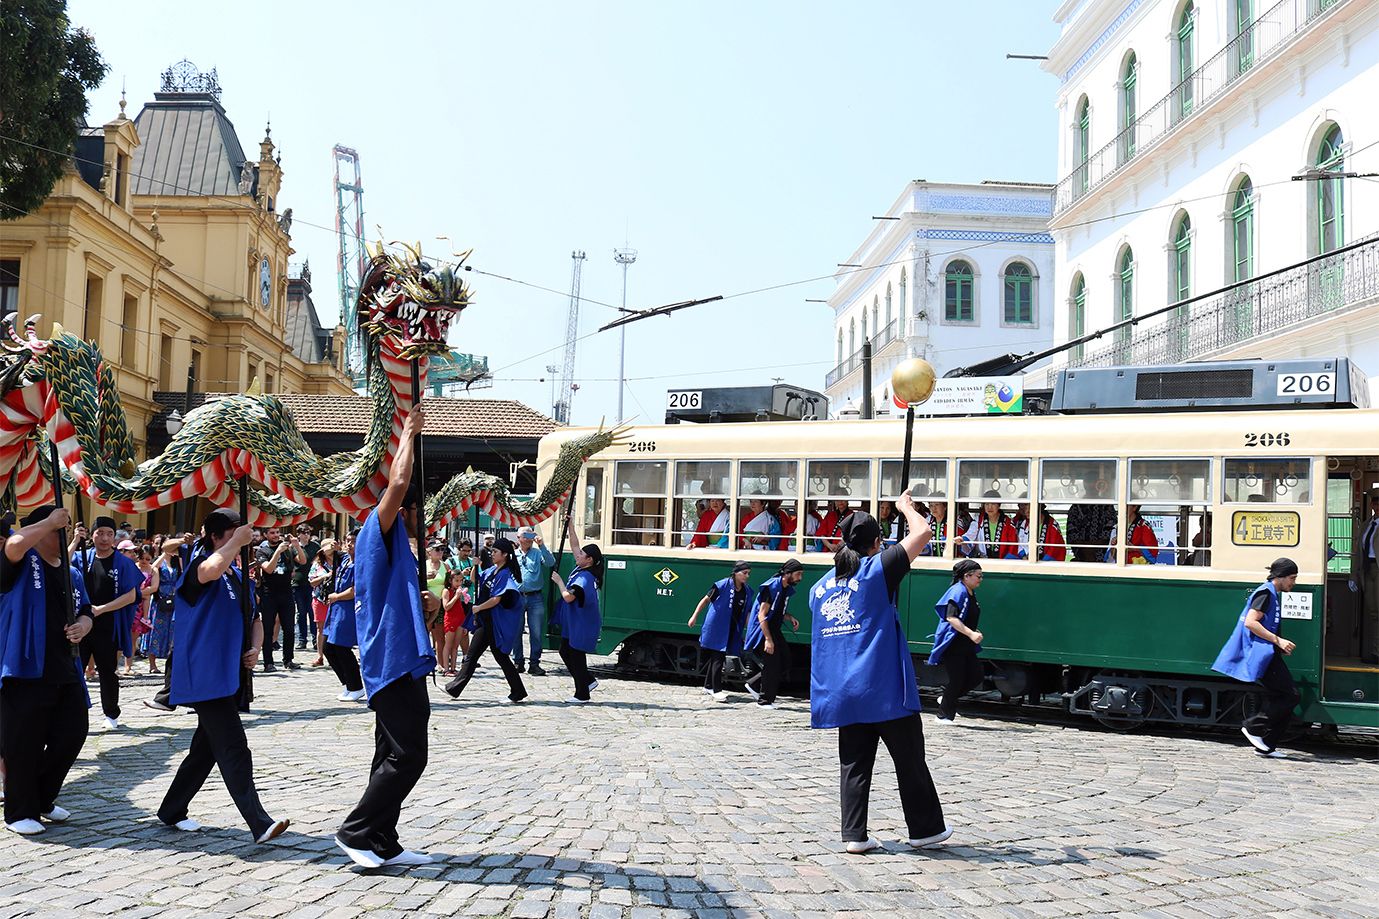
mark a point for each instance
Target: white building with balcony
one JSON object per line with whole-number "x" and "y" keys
{"x": 1183, "y": 126}
{"x": 955, "y": 274}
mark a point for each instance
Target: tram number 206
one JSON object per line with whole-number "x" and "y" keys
{"x": 684, "y": 399}
{"x": 1268, "y": 440}
{"x": 1306, "y": 384}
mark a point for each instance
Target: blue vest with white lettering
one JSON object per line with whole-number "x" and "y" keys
{"x": 778, "y": 595}
{"x": 507, "y": 623}
{"x": 126, "y": 574}
{"x": 340, "y": 628}
{"x": 945, "y": 633}
{"x": 208, "y": 636}
{"x": 387, "y": 607}
{"x": 860, "y": 668}
{"x": 581, "y": 625}
{"x": 24, "y": 621}
{"x": 1245, "y": 655}
{"x": 721, "y": 632}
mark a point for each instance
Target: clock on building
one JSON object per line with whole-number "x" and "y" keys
{"x": 265, "y": 283}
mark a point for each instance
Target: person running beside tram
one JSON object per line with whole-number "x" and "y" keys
{"x": 862, "y": 679}
{"x": 765, "y": 633}
{"x": 722, "y": 633}
{"x": 957, "y": 640}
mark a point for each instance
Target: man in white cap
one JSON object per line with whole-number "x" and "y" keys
{"x": 536, "y": 563}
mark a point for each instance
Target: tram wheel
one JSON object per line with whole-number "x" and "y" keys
{"x": 1120, "y": 701}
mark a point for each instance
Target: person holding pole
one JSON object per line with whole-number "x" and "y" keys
{"x": 577, "y": 612}
{"x": 43, "y": 699}
{"x": 862, "y": 681}
{"x": 211, "y": 627}
{"x": 395, "y": 658}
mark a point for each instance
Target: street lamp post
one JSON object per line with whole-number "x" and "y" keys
{"x": 625, "y": 258}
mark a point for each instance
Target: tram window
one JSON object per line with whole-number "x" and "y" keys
{"x": 1079, "y": 498}
{"x": 767, "y": 511}
{"x": 1174, "y": 499}
{"x": 836, "y": 488}
{"x": 639, "y": 504}
{"x": 1268, "y": 481}
{"x": 928, "y": 486}
{"x": 701, "y": 503}
{"x": 1009, "y": 478}
{"x": 593, "y": 502}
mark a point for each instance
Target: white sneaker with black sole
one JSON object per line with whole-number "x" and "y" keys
{"x": 57, "y": 815}
{"x": 1255, "y": 741}
{"x": 863, "y": 846}
{"x": 934, "y": 840}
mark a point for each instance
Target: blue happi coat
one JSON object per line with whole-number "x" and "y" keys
{"x": 721, "y": 630}
{"x": 126, "y": 575}
{"x": 340, "y": 628}
{"x": 507, "y": 623}
{"x": 580, "y": 624}
{"x": 860, "y": 669}
{"x": 1245, "y": 655}
{"x": 776, "y": 594}
{"x": 945, "y": 633}
{"x": 24, "y": 625}
{"x": 390, "y": 625}
{"x": 208, "y": 636}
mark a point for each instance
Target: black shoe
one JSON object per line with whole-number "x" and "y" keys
{"x": 277, "y": 646}
{"x": 453, "y": 688}
{"x": 521, "y": 698}
{"x": 536, "y": 670}
{"x": 292, "y": 665}
{"x": 520, "y": 665}
{"x": 268, "y": 667}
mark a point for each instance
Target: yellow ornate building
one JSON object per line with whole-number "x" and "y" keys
{"x": 164, "y": 244}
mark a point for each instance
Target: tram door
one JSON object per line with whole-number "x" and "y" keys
{"x": 1348, "y": 676}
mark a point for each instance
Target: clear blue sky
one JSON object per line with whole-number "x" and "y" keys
{"x": 735, "y": 145}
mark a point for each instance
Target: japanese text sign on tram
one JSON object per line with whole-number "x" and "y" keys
{"x": 976, "y": 396}
{"x": 1265, "y": 528}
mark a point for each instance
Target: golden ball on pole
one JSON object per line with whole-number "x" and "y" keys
{"x": 913, "y": 380}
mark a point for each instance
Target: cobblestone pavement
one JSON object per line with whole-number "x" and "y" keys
{"x": 657, "y": 802}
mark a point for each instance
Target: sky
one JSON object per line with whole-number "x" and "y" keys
{"x": 736, "y": 146}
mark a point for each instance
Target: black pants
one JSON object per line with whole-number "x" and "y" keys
{"x": 774, "y": 667}
{"x": 904, "y": 740}
{"x": 306, "y": 622}
{"x": 1280, "y": 698}
{"x": 965, "y": 674}
{"x": 577, "y": 662}
{"x": 99, "y": 643}
{"x": 402, "y": 710}
{"x": 164, "y": 695}
{"x": 479, "y": 642}
{"x": 713, "y": 674}
{"x": 345, "y": 665}
{"x": 277, "y": 606}
{"x": 219, "y": 741}
{"x": 42, "y": 729}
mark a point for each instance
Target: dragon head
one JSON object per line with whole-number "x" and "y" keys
{"x": 407, "y": 303}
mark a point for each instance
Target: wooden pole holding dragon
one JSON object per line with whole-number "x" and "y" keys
{"x": 419, "y": 480}
{"x": 65, "y": 577}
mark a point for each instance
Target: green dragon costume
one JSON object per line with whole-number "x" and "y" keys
{"x": 405, "y": 305}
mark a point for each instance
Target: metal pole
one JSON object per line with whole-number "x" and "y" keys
{"x": 65, "y": 578}
{"x": 246, "y": 675}
{"x": 419, "y": 478}
{"x": 905, "y": 461}
{"x": 866, "y": 379}
{"x": 184, "y": 507}
{"x": 625, "y": 258}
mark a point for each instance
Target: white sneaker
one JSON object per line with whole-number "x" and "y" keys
{"x": 752, "y": 690}
{"x": 357, "y": 695}
{"x": 345, "y": 696}
{"x": 707, "y": 691}
{"x": 187, "y": 826}
{"x": 58, "y": 814}
{"x": 157, "y": 706}
{"x": 1255, "y": 741}
{"x": 863, "y": 846}
{"x": 26, "y": 827}
{"x": 934, "y": 840}
{"x": 939, "y": 700}
{"x": 577, "y": 701}
{"x": 408, "y": 857}
{"x": 110, "y": 723}
{"x": 274, "y": 831}
{"x": 1272, "y": 754}
{"x": 720, "y": 696}
{"x": 361, "y": 857}
{"x": 761, "y": 704}
{"x": 593, "y": 684}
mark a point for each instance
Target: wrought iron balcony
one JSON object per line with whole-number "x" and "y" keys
{"x": 853, "y": 361}
{"x": 1333, "y": 285}
{"x": 1271, "y": 32}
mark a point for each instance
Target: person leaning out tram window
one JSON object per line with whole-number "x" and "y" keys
{"x": 1142, "y": 545}
{"x": 1252, "y": 655}
{"x": 991, "y": 535}
{"x": 957, "y": 640}
{"x": 862, "y": 680}
{"x": 722, "y": 634}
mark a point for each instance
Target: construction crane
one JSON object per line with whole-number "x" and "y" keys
{"x": 350, "y": 257}
{"x": 563, "y": 404}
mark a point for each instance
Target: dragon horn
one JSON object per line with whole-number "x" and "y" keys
{"x": 58, "y": 330}
{"x": 254, "y": 388}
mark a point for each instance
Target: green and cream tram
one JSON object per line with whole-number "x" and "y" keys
{"x": 1099, "y": 631}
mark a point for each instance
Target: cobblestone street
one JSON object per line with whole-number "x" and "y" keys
{"x": 656, "y": 802}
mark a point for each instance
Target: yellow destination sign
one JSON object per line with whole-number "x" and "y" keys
{"x": 1264, "y": 528}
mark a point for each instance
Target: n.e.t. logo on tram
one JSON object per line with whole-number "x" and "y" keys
{"x": 665, "y": 577}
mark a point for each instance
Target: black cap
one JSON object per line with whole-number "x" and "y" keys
{"x": 1282, "y": 568}
{"x": 743, "y": 565}
{"x": 963, "y": 568}
{"x": 790, "y": 567}
{"x": 103, "y": 522}
{"x": 503, "y": 544}
{"x": 861, "y": 531}
{"x": 595, "y": 553}
{"x": 39, "y": 514}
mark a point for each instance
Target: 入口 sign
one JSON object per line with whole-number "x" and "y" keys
{"x": 1295, "y": 605}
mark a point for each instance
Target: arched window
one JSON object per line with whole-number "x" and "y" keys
{"x": 1184, "y": 60}
{"x": 1330, "y": 192}
{"x": 1082, "y": 143}
{"x": 1243, "y": 230}
{"x": 1243, "y": 45}
{"x": 1182, "y": 280}
{"x": 1018, "y": 298}
{"x": 958, "y": 293}
{"x": 1077, "y": 314}
{"x": 904, "y": 304}
{"x": 1125, "y": 298}
{"x": 1128, "y": 74}
{"x": 876, "y": 329}
{"x": 889, "y": 315}
{"x": 840, "y": 345}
